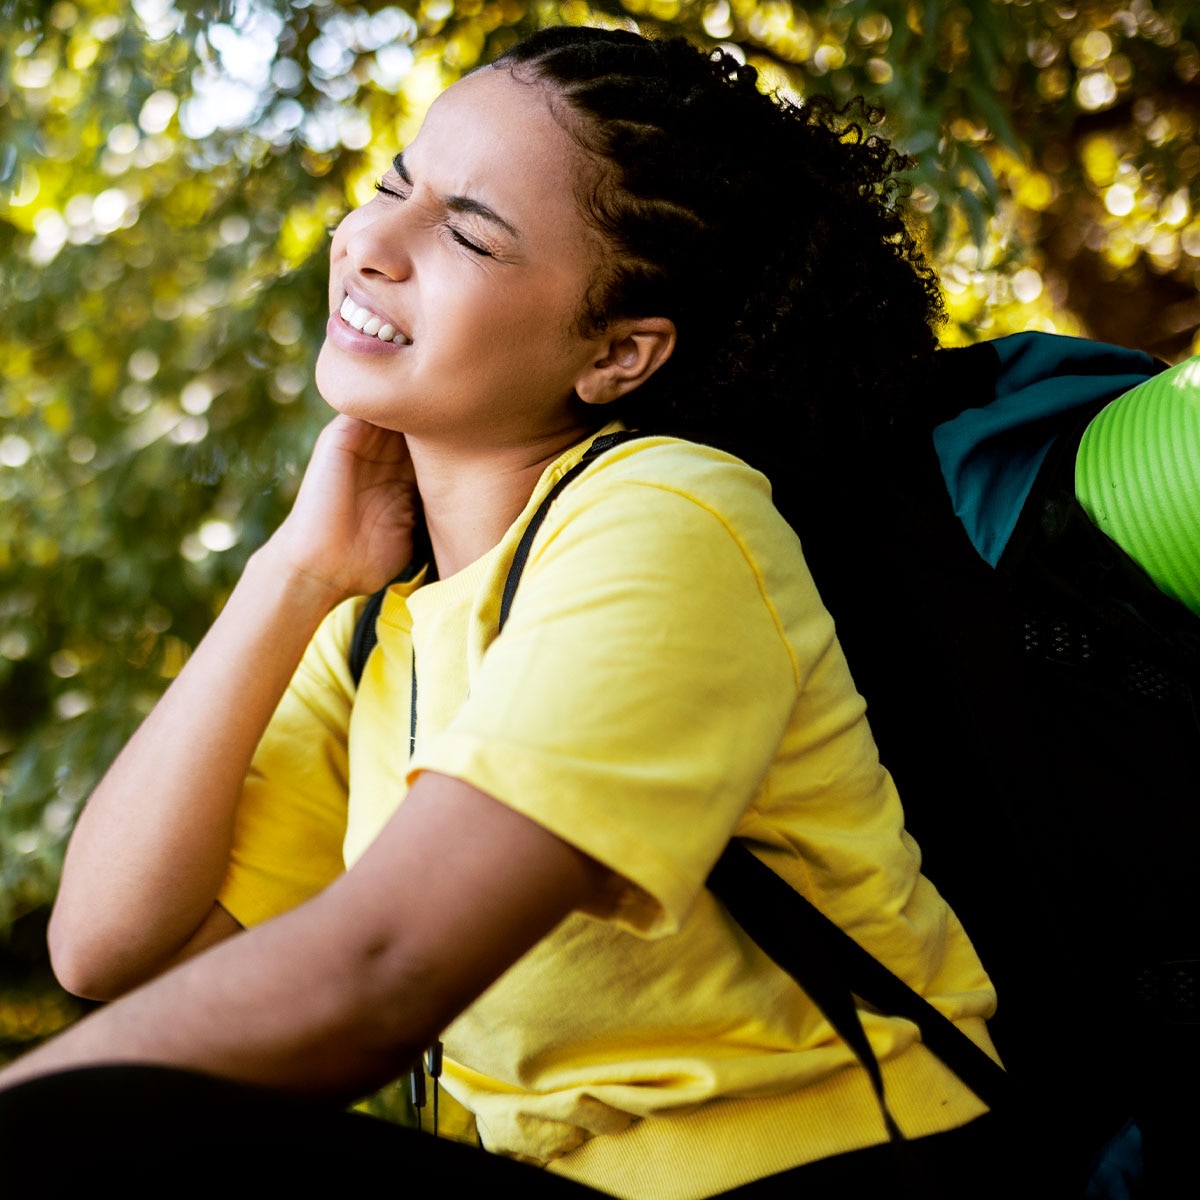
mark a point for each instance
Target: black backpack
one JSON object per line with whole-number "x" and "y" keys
{"x": 1039, "y": 713}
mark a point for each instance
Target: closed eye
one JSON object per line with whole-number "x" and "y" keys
{"x": 456, "y": 204}
{"x": 383, "y": 189}
{"x": 474, "y": 247}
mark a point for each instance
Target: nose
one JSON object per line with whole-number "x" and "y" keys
{"x": 374, "y": 240}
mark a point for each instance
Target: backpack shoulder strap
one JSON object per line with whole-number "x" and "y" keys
{"x": 832, "y": 968}
{"x": 366, "y": 637}
{"x": 521, "y": 555}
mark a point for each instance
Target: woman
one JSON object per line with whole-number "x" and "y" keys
{"x": 583, "y": 232}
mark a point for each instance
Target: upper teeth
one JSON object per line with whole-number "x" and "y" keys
{"x": 366, "y": 321}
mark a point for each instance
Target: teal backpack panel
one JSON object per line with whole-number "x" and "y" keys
{"x": 991, "y": 452}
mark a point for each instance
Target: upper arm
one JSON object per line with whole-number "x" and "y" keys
{"x": 638, "y": 694}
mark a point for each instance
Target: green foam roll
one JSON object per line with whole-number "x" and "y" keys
{"x": 1137, "y": 477}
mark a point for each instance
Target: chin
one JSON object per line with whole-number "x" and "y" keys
{"x": 360, "y": 403}
{"x": 339, "y": 391}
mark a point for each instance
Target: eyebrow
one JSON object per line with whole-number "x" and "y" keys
{"x": 461, "y": 204}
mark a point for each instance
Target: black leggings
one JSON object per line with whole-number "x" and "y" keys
{"x": 144, "y": 1129}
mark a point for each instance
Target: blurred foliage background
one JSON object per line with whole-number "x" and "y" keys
{"x": 169, "y": 173}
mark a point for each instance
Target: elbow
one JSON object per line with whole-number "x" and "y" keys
{"x": 75, "y": 974}
{"x": 102, "y": 961}
{"x": 83, "y": 965}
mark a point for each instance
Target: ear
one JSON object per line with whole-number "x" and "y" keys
{"x": 628, "y": 353}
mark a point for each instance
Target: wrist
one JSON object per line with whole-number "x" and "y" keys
{"x": 270, "y": 569}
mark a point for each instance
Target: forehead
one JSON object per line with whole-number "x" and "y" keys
{"x": 495, "y": 137}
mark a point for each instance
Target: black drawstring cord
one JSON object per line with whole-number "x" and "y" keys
{"x": 433, "y": 1064}
{"x": 433, "y": 1056}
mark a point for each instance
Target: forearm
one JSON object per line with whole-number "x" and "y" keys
{"x": 339, "y": 995}
{"x": 272, "y": 1008}
{"x": 150, "y": 849}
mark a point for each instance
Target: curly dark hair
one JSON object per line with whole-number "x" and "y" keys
{"x": 771, "y": 233}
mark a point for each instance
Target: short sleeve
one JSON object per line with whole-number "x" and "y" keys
{"x": 291, "y": 819}
{"x": 635, "y": 700}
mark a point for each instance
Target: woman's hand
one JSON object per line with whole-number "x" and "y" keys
{"x": 351, "y": 526}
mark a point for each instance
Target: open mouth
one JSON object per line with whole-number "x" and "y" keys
{"x": 367, "y": 322}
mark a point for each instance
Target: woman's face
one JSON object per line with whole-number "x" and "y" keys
{"x": 475, "y": 254}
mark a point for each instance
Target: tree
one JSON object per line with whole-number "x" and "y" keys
{"x": 168, "y": 175}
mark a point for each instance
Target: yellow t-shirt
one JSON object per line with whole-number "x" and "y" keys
{"x": 668, "y": 677}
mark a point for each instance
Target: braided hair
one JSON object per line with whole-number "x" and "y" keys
{"x": 769, "y": 232}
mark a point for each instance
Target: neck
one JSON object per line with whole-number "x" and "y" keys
{"x": 471, "y": 498}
